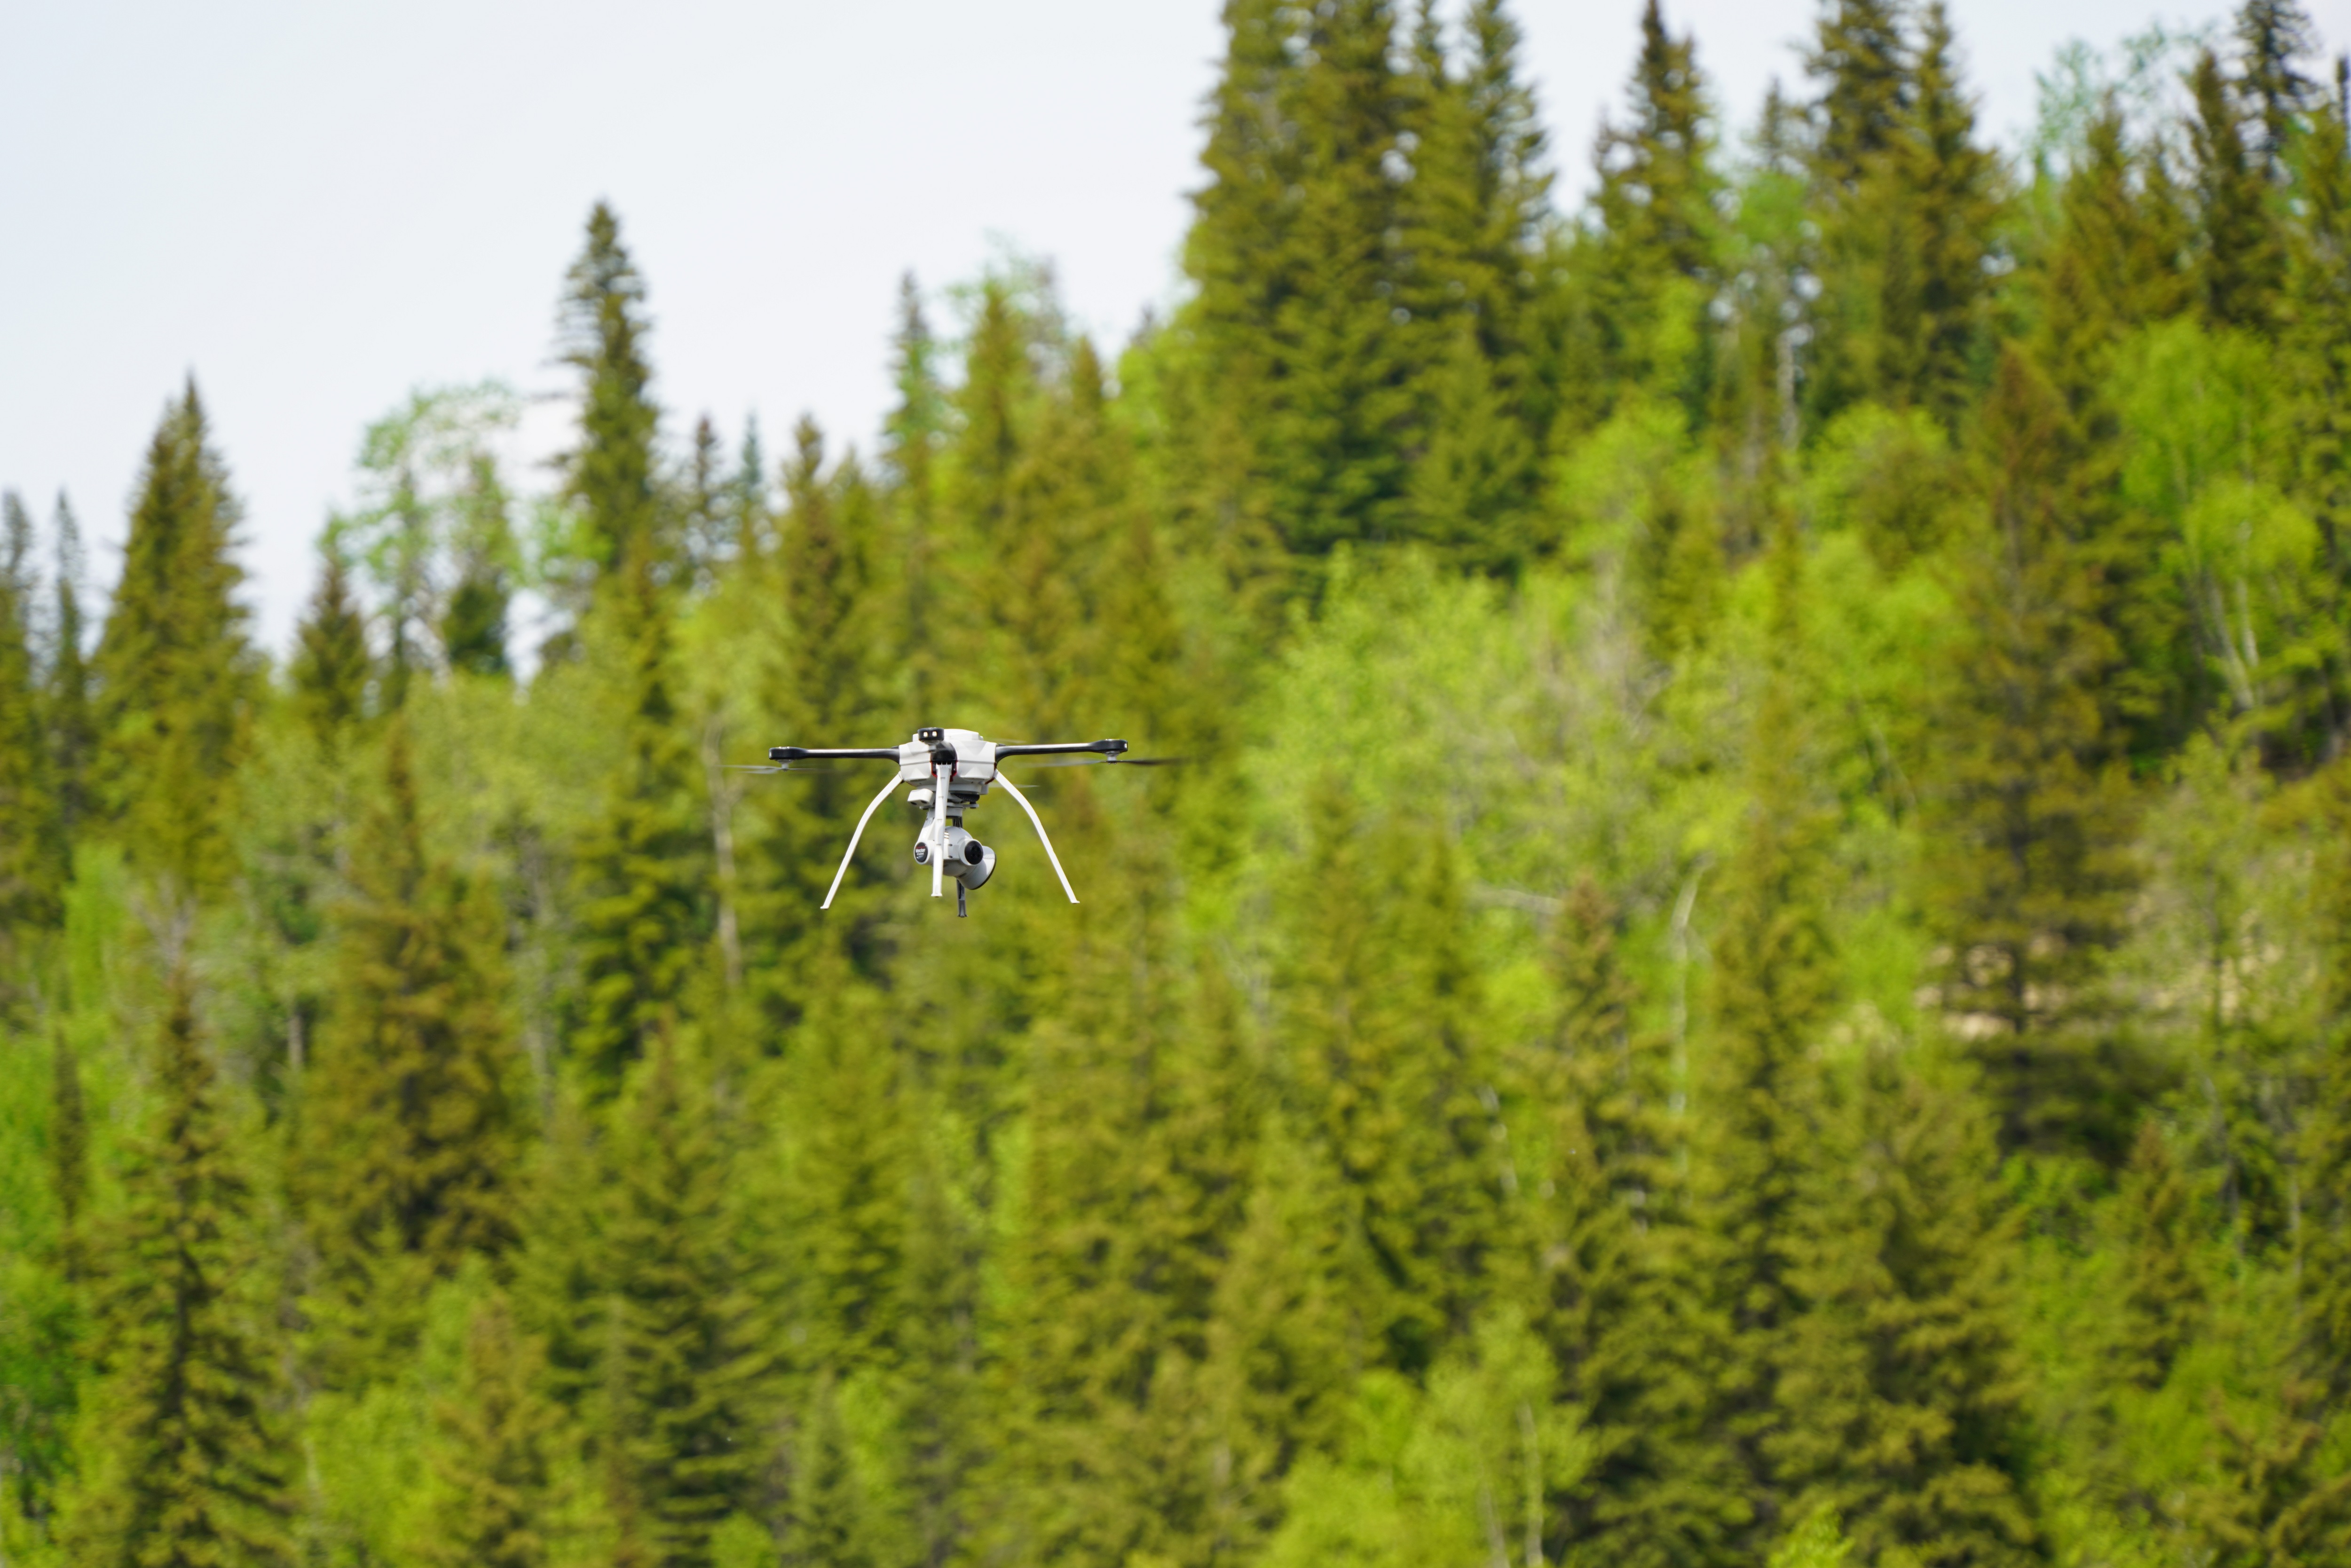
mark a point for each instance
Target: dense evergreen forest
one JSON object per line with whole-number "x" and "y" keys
{"x": 1753, "y": 964}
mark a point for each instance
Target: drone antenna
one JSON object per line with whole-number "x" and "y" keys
{"x": 875, "y": 805}
{"x": 1013, "y": 791}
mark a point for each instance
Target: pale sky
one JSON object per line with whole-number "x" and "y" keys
{"x": 314, "y": 207}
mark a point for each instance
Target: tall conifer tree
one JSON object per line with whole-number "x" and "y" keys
{"x": 2029, "y": 817}
{"x": 1904, "y": 1408}
{"x": 172, "y": 665}
{"x": 72, "y": 738}
{"x": 611, "y": 475}
{"x": 2240, "y": 260}
{"x": 32, "y": 832}
{"x": 190, "y": 1469}
{"x": 413, "y": 1129}
{"x": 495, "y": 1451}
{"x": 1773, "y": 987}
{"x": 332, "y": 663}
{"x": 688, "y": 1361}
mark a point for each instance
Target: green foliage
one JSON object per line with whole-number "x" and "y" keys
{"x": 412, "y": 1128}
{"x": 184, "y": 1462}
{"x": 688, "y": 1356}
{"x": 1745, "y": 745}
{"x": 331, "y": 665}
{"x": 173, "y": 718}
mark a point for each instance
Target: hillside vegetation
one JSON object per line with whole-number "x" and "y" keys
{"x": 1752, "y": 962}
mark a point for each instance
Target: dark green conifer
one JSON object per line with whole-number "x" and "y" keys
{"x": 68, "y": 717}
{"x": 1290, "y": 1332}
{"x": 188, "y": 1467}
{"x": 172, "y": 665}
{"x": 69, "y": 1151}
{"x": 610, "y": 476}
{"x": 2238, "y": 259}
{"x": 1380, "y": 1041}
{"x": 2161, "y": 1297}
{"x": 1771, "y": 994}
{"x": 2029, "y": 819}
{"x": 474, "y": 621}
{"x": 2270, "y": 1501}
{"x": 2323, "y": 1302}
{"x": 1903, "y": 1409}
{"x": 2276, "y": 36}
{"x": 32, "y": 832}
{"x": 1617, "y": 1309}
{"x": 331, "y": 665}
{"x": 1132, "y": 1190}
{"x": 1952, "y": 193}
{"x": 1657, "y": 206}
{"x": 641, "y": 869}
{"x": 747, "y": 497}
{"x": 823, "y": 680}
{"x": 495, "y": 1451}
{"x": 1861, "y": 60}
{"x": 412, "y": 1132}
{"x": 688, "y": 1360}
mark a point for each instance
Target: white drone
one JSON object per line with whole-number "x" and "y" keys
{"x": 950, "y": 769}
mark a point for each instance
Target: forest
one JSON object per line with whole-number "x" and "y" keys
{"x": 1751, "y": 963}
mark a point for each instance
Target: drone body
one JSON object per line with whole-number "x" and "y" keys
{"x": 950, "y": 771}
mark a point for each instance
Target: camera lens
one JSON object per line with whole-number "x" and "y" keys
{"x": 972, "y": 851}
{"x": 923, "y": 853}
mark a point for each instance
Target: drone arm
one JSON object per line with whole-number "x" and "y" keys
{"x": 789, "y": 754}
{"x": 1108, "y": 748}
{"x": 872, "y": 807}
{"x": 1013, "y": 791}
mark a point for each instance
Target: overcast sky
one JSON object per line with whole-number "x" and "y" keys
{"x": 314, "y": 207}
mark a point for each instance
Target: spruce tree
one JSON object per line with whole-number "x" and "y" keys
{"x": 1289, "y": 1332}
{"x": 189, "y": 1467}
{"x": 1657, "y": 206}
{"x": 494, "y": 1450}
{"x": 2275, "y": 37}
{"x": 32, "y": 832}
{"x": 641, "y": 867}
{"x": 1861, "y": 60}
{"x": 611, "y": 475}
{"x": 2029, "y": 817}
{"x": 2322, "y": 1302}
{"x": 821, "y": 680}
{"x": 2238, "y": 259}
{"x": 688, "y": 1361}
{"x": 2162, "y": 1298}
{"x": 473, "y": 627}
{"x": 1770, "y": 994}
{"x": 1951, "y": 187}
{"x": 172, "y": 665}
{"x": 69, "y": 1151}
{"x": 1616, "y": 1303}
{"x": 1134, "y": 1178}
{"x": 68, "y": 706}
{"x": 1380, "y": 1040}
{"x": 331, "y": 664}
{"x": 1903, "y": 1409}
{"x": 413, "y": 1130}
